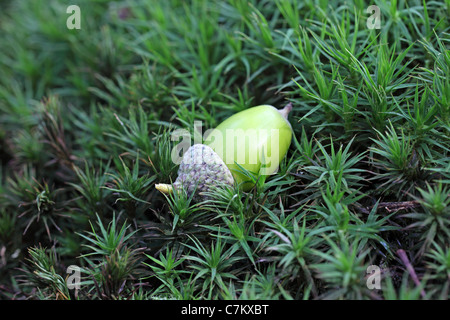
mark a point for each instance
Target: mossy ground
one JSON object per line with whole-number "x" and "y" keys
{"x": 86, "y": 118}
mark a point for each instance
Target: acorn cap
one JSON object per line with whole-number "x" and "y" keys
{"x": 201, "y": 170}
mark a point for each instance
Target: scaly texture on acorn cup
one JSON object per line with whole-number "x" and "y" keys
{"x": 256, "y": 139}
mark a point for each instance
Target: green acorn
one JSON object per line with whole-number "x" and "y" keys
{"x": 256, "y": 139}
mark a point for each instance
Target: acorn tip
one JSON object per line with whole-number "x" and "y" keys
{"x": 285, "y": 111}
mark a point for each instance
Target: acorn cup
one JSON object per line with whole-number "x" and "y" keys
{"x": 251, "y": 141}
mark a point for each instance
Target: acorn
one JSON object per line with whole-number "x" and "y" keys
{"x": 251, "y": 141}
